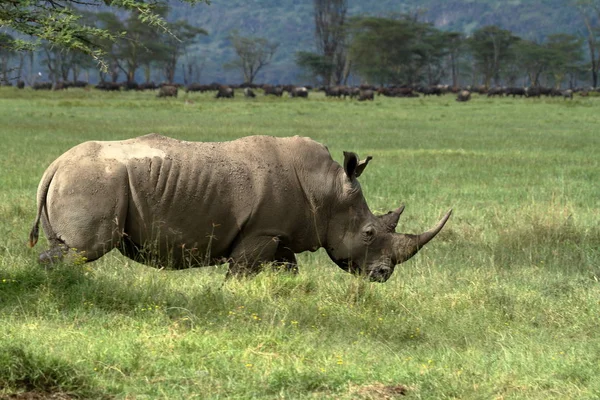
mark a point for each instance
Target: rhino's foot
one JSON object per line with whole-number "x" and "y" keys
{"x": 285, "y": 260}
{"x": 51, "y": 257}
{"x": 286, "y": 266}
{"x": 54, "y": 255}
{"x": 61, "y": 253}
{"x": 238, "y": 270}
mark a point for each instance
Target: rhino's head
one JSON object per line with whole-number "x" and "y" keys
{"x": 362, "y": 243}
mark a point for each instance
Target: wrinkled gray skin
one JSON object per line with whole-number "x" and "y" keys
{"x": 171, "y": 203}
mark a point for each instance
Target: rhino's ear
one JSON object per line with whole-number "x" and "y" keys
{"x": 353, "y": 167}
{"x": 362, "y": 165}
{"x": 350, "y": 163}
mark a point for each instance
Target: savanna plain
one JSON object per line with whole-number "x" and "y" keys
{"x": 503, "y": 304}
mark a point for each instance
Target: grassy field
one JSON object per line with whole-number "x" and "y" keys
{"x": 503, "y": 304}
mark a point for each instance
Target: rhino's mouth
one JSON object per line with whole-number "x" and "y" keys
{"x": 349, "y": 266}
{"x": 380, "y": 275}
{"x": 345, "y": 263}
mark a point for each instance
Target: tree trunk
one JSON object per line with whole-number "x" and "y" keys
{"x": 330, "y": 16}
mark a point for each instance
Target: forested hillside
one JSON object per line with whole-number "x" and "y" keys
{"x": 290, "y": 22}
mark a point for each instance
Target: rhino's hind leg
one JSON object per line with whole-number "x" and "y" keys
{"x": 60, "y": 252}
{"x": 85, "y": 217}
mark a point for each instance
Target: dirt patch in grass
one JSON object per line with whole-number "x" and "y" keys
{"x": 379, "y": 391}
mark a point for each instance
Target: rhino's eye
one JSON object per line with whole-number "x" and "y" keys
{"x": 368, "y": 233}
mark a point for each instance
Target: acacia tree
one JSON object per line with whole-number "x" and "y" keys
{"x": 138, "y": 44}
{"x": 253, "y": 54}
{"x": 330, "y": 20}
{"x": 455, "y": 43}
{"x": 432, "y": 48}
{"x": 567, "y": 57}
{"x": 534, "y": 59}
{"x": 330, "y": 63}
{"x": 590, "y": 14}
{"x": 6, "y": 54}
{"x": 491, "y": 48}
{"x": 60, "y": 23}
{"x": 174, "y": 46}
{"x": 397, "y": 50}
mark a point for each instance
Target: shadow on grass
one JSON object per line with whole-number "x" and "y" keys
{"x": 24, "y": 369}
{"x": 319, "y": 299}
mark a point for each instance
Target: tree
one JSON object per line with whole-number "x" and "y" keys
{"x": 590, "y": 13}
{"x": 433, "y": 49}
{"x": 330, "y": 35}
{"x": 60, "y": 23}
{"x": 6, "y": 54}
{"x": 534, "y": 59}
{"x": 396, "y": 50}
{"x": 491, "y": 48}
{"x": 455, "y": 42}
{"x": 174, "y": 46}
{"x": 138, "y": 44}
{"x": 109, "y": 22}
{"x": 317, "y": 65}
{"x": 254, "y": 53}
{"x": 567, "y": 57}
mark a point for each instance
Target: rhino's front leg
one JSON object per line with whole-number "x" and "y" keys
{"x": 249, "y": 253}
{"x": 285, "y": 259}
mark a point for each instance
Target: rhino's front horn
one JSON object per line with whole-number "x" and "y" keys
{"x": 405, "y": 246}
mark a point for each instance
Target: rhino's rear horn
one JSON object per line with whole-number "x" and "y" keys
{"x": 390, "y": 220}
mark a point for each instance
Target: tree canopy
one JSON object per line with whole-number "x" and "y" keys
{"x": 61, "y": 22}
{"x": 253, "y": 54}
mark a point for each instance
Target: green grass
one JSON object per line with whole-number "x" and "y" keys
{"x": 504, "y": 303}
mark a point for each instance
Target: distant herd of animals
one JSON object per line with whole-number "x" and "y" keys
{"x": 361, "y": 93}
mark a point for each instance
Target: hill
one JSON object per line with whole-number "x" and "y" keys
{"x": 290, "y": 22}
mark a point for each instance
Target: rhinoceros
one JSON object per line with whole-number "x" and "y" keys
{"x": 178, "y": 204}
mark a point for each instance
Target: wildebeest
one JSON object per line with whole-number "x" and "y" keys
{"x": 259, "y": 199}
{"x": 194, "y": 87}
{"x": 567, "y": 94}
{"x": 334, "y": 91}
{"x": 130, "y": 85}
{"x": 431, "y": 90}
{"x": 225, "y": 92}
{"x": 109, "y": 86}
{"x": 167, "y": 91}
{"x": 20, "y": 84}
{"x": 464, "y": 95}
{"x": 515, "y": 91}
{"x": 495, "y": 91}
{"x": 397, "y": 92}
{"x": 273, "y": 90}
{"x": 298, "y": 92}
{"x": 249, "y": 92}
{"x": 366, "y": 95}
{"x": 147, "y": 86}
{"x": 533, "y": 91}
{"x": 42, "y": 86}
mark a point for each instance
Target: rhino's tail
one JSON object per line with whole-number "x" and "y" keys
{"x": 42, "y": 193}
